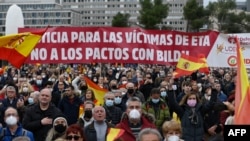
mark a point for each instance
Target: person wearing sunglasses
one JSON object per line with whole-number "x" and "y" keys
{"x": 75, "y": 133}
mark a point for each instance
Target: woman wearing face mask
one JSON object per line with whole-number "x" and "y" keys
{"x": 25, "y": 91}
{"x": 172, "y": 131}
{"x": 191, "y": 112}
{"x": 58, "y": 130}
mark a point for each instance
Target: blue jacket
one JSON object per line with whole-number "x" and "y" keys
{"x": 5, "y": 134}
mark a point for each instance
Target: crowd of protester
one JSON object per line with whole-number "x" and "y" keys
{"x": 48, "y": 102}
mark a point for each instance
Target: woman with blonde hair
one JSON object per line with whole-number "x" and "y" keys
{"x": 172, "y": 131}
{"x": 58, "y": 130}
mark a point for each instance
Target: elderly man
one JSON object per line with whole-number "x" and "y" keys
{"x": 97, "y": 130}
{"x": 13, "y": 128}
{"x": 113, "y": 113}
{"x": 133, "y": 120}
{"x": 12, "y": 100}
{"x": 149, "y": 134}
{"x": 33, "y": 98}
{"x": 38, "y": 118}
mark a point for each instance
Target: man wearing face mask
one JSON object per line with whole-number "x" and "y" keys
{"x": 131, "y": 92}
{"x": 39, "y": 84}
{"x": 157, "y": 107}
{"x": 13, "y": 127}
{"x": 134, "y": 120}
{"x": 118, "y": 98}
{"x": 113, "y": 114}
{"x": 58, "y": 130}
{"x": 12, "y": 100}
{"x": 86, "y": 118}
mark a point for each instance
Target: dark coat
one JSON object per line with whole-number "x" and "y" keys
{"x": 70, "y": 110}
{"x": 32, "y": 120}
{"x": 90, "y": 132}
{"x": 192, "y": 128}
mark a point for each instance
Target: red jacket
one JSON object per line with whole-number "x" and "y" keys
{"x": 147, "y": 122}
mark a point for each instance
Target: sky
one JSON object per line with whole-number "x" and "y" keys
{"x": 207, "y": 1}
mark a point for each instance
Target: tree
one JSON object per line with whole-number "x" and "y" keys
{"x": 152, "y": 13}
{"x": 227, "y": 18}
{"x": 195, "y": 15}
{"x": 121, "y": 20}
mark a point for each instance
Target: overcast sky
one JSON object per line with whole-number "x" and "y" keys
{"x": 207, "y": 1}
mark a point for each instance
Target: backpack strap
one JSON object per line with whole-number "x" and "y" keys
{"x": 24, "y": 132}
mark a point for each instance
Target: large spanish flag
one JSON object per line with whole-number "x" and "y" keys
{"x": 114, "y": 133}
{"x": 99, "y": 92}
{"x": 188, "y": 64}
{"x": 242, "y": 93}
{"x": 15, "y": 48}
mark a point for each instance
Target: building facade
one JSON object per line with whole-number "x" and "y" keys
{"x": 41, "y": 13}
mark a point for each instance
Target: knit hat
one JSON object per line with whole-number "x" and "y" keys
{"x": 60, "y": 117}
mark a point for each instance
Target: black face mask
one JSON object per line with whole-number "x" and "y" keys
{"x": 130, "y": 91}
{"x": 60, "y": 128}
{"x": 84, "y": 87}
{"x": 113, "y": 87}
{"x": 88, "y": 114}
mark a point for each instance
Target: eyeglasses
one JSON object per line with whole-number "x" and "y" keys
{"x": 70, "y": 137}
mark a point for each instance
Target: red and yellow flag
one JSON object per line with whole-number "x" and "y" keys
{"x": 242, "y": 92}
{"x": 99, "y": 92}
{"x": 188, "y": 64}
{"x": 114, "y": 133}
{"x": 15, "y": 48}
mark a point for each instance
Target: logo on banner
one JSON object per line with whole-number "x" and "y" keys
{"x": 220, "y": 48}
{"x": 232, "y": 61}
{"x": 186, "y": 65}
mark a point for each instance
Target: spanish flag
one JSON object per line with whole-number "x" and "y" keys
{"x": 114, "y": 134}
{"x": 242, "y": 92}
{"x": 99, "y": 92}
{"x": 15, "y": 48}
{"x": 188, "y": 64}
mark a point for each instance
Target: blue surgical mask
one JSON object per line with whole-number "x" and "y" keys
{"x": 31, "y": 100}
{"x": 118, "y": 100}
{"x": 163, "y": 93}
{"x": 39, "y": 82}
{"x": 109, "y": 103}
{"x": 155, "y": 100}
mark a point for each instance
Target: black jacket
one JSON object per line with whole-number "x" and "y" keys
{"x": 32, "y": 120}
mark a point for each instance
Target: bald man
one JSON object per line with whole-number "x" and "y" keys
{"x": 38, "y": 118}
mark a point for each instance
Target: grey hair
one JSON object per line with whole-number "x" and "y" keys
{"x": 133, "y": 99}
{"x": 108, "y": 93}
{"x": 36, "y": 93}
{"x": 147, "y": 131}
{"x": 21, "y": 138}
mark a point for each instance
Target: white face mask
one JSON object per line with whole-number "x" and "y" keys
{"x": 134, "y": 114}
{"x": 11, "y": 120}
{"x": 173, "y": 138}
{"x": 25, "y": 89}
